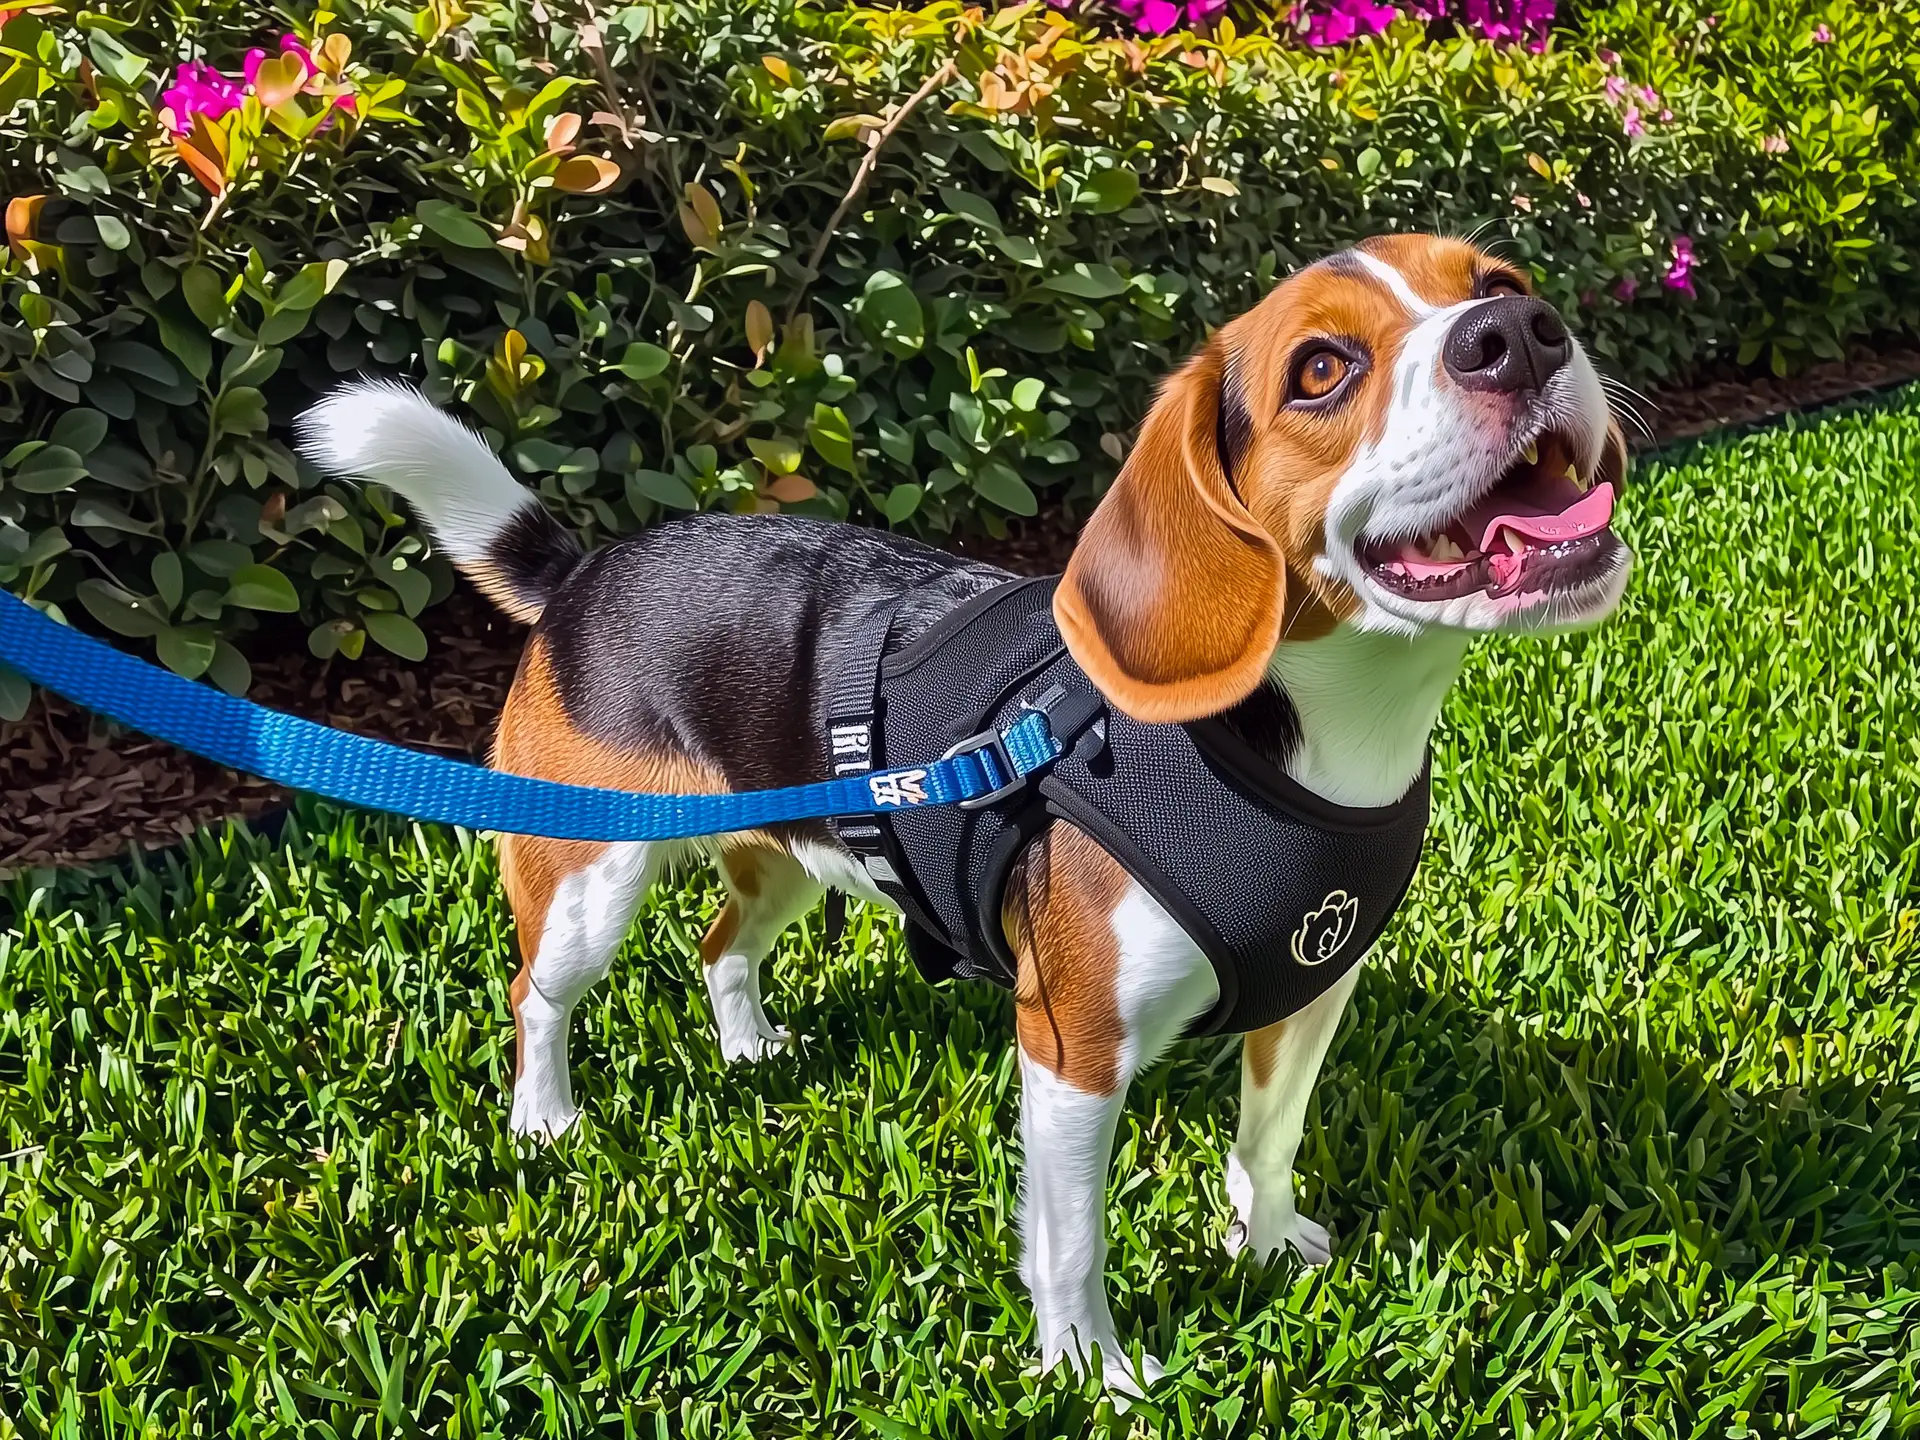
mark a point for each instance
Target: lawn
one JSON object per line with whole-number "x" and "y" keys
{"x": 1621, "y": 1136}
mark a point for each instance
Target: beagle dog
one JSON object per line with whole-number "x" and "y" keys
{"x": 1399, "y": 449}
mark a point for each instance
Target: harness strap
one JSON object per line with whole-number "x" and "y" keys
{"x": 851, "y": 719}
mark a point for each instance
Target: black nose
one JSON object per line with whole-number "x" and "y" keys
{"x": 1510, "y": 343}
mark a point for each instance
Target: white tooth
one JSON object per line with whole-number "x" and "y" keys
{"x": 1579, "y": 482}
{"x": 1531, "y": 454}
{"x": 1442, "y": 547}
{"x": 1515, "y": 542}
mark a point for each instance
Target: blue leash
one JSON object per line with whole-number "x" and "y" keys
{"x": 372, "y": 773}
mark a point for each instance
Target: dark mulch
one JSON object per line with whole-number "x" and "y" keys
{"x": 78, "y": 790}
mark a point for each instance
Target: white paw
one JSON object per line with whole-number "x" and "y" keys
{"x": 755, "y": 1045}
{"x": 1117, "y": 1372}
{"x": 1266, "y": 1236}
{"x": 541, "y": 1117}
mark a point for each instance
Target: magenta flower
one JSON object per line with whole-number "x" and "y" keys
{"x": 198, "y": 89}
{"x": 1508, "y": 21}
{"x": 1157, "y": 17}
{"x": 1343, "y": 21}
{"x": 1626, "y": 289}
{"x": 1609, "y": 59}
{"x": 1630, "y": 122}
{"x": 1679, "y": 275}
{"x": 1616, "y": 89}
{"x": 1666, "y": 116}
{"x": 1648, "y": 95}
{"x": 1822, "y": 35}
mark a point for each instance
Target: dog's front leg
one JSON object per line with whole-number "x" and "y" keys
{"x": 1107, "y": 980}
{"x": 1278, "y": 1068}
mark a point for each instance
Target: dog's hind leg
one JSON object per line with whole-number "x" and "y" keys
{"x": 573, "y": 902}
{"x": 1279, "y": 1066}
{"x": 767, "y": 890}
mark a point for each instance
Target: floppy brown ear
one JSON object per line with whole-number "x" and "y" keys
{"x": 1613, "y": 457}
{"x": 1172, "y": 600}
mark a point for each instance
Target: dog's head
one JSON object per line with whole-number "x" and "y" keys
{"x": 1400, "y": 437}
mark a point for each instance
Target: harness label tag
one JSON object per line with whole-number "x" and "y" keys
{"x": 1323, "y": 932}
{"x": 893, "y": 789}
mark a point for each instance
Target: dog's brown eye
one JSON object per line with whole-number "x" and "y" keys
{"x": 1501, "y": 285}
{"x": 1320, "y": 374}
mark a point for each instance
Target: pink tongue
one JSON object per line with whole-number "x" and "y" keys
{"x": 1589, "y": 513}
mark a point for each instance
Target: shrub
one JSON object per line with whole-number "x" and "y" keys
{"x": 633, "y": 250}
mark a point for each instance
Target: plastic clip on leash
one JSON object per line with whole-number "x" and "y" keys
{"x": 377, "y": 775}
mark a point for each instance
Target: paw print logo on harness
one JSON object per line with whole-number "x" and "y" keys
{"x": 1323, "y": 932}
{"x": 892, "y": 789}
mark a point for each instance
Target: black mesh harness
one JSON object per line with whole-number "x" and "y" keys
{"x": 1283, "y": 891}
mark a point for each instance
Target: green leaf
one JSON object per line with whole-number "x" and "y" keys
{"x": 902, "y": 501}
{"x": 896, "y": 441}
{"x": 970, "y": 207}
{"x": 15, "y": 695}
{"x": 229, "y": 669}
{"x": 662, "y": 489}
{"x": 186, "y": 652}
{"x": 49, "y": 469}
{"x": 394, "y": 631}
{"x": 781, "y": 455}
{"x": 261, "y": 587}
{"x": 1108, "y": 191}
{"x": 890, "y": 312}
{"x": 641, "y": 361}
{"x": 310, "y": 284}
{"x": 453, "y": 225}
{"x": 1088, "y": 282}
{"x": 80, "y": 430}
{"x": 113, "y": 232}
{"x": 1018, "y": 248}
{"x": 1027, "y": 394}
{"x": 832, "y": 436}
{"x": 186, "y": 342}
{"x": 241, "y": 411}
{"x": 206, "y": 296}
{"x": 119, "y": 611}
{"x": 1367, "y": 161}
{"x": 169, "y": 580}
{"x": 92, "y": 512}
{"x": 997, "y": 481}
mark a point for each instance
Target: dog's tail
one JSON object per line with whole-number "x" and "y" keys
{"x": 492, "y": 527}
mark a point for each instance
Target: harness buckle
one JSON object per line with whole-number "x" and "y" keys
{"x": 994, "y": 746}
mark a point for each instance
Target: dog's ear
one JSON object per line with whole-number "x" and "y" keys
{"x": 1172, "y": 600}
{"x": 1613, "y": 457}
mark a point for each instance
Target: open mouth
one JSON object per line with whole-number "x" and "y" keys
{"x": 1541, "y": 526}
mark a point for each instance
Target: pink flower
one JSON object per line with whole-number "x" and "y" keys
{"x": 1679, "y": 275}
{"x": 1774, "y": 145}
{"x": 1648, "y": 95}
{"x": 198, "y": 89}
{"x": 1822, "y": 35}
{"x": 1630, "y": 122}
{"x": 1616, "y": 89}
{"x": 1666, "y": 116}
{"x": 1609, "y": 59}
{"x": 1626, "y": 289}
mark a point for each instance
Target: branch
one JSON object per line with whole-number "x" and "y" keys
{"x": 861, "y": 176}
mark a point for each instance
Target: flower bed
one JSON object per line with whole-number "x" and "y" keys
{"x": 920, "y": 267}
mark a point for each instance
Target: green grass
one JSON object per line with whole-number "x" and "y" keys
{"x": 1621, "y": 1136}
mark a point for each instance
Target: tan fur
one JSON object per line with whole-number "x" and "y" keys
{"x": 1059, "y": 918}
{"x": 1439, "y": 270}
{"x": 1260, "y": 1049}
